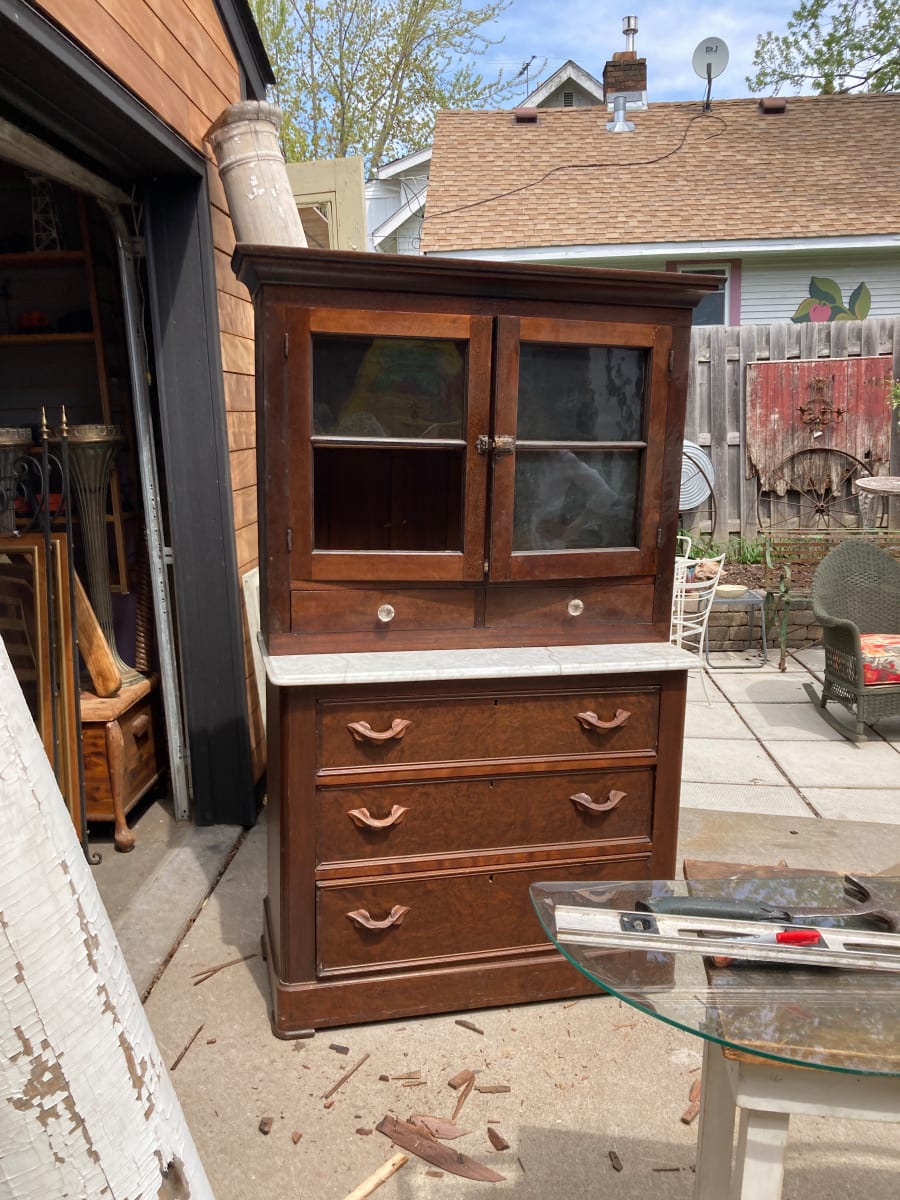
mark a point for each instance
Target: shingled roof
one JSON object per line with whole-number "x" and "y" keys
{"x": 826, "y": 167}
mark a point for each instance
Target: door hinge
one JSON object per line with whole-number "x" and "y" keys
{"x": 290, "y": 540}
{"x": 671, "y": 362}
{"x": 659, "y": 537}
{"x": 285, "y": 344}
{"x": 487, "y": 567}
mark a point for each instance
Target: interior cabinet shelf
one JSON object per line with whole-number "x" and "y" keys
{"x": 46, "y": 339}
{"x": 474, "y": 468}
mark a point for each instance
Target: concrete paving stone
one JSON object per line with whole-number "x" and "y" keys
{"x": 744, "y": 798}
{"x": 812, "y": 658}
{"x": 714, "y": 721}
{"x": 855, "y": 804}
{"x": 728, "y": 760}
{"x": 695, "y": 692}
{"x": 839, "y": 764}
{"x": 774, "y": 722}
{"x": 764, "y": 687}
{"x": 152, "y": 892}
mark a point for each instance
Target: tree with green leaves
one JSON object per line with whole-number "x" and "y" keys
{"x": 365, "y": 77}
{"x": 832, "y": 46}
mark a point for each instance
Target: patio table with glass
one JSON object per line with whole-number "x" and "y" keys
{"x": 756, "y": 1018}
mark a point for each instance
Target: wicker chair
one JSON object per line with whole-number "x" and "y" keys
{"x": 856, "y": 597}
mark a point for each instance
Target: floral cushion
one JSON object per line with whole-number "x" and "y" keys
{"x": 881, "y": 657}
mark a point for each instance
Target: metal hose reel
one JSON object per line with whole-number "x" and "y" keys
{"x": 697, "y": 476}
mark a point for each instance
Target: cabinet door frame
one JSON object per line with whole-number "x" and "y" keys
{"x": 508, "y": 565}
{"x": 465, "y": 565}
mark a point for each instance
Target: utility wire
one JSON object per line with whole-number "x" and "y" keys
{"x": 593, "y": 166}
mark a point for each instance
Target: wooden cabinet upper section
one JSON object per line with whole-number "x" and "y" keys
{"x": 470, "y": 431}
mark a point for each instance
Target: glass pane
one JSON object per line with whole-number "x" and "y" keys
{"x": 377, "y": 387}
{"x": 581, "y": 393}
{"x": 371, "y": 499}
{"x": 567, "y": 501}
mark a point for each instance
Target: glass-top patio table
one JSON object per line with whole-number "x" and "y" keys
{"x": 754, "y": 1016}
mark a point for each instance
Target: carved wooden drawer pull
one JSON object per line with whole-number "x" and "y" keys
{"x": 395, "y": 917}
{"x": 583, "y": 800}
{"x": 590, "y": 720}
{"x": 363, "y": 731}
{"x": 362, "y": 817}
{"x": 140, "y": 726}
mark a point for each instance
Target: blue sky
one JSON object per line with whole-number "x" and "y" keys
{"x": 667, "y": 36}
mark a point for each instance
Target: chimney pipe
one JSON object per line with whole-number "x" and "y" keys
{"x": 619, "y": 124}
{"x": 629, "y": 28}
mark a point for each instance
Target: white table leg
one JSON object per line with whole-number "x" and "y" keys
{"x": 759, "y": 1159}
{"x": 716, "y": 1127}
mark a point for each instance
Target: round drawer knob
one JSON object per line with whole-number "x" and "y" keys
{"x": 575, "y": 608}
{"x": 386, "y": 613}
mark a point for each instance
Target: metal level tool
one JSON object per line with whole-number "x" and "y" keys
{"x": 741, "y": 940}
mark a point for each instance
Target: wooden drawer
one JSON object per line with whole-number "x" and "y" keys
{"x": 484, "y": 727}
{"x": 448, "y": 917}
{"x": 565, "y": 609}
{"x": 355, "y": 610}
{"x": 456, "y": 817}
{"x": 120, "y": 759}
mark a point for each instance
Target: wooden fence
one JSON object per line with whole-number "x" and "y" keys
{"x": 717, "y": 401}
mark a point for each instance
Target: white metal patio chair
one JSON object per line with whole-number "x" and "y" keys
{"x": 691, "y": 604}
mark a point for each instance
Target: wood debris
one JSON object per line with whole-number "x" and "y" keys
{"x": 191, "y": 1041}
{"x": 413, "y": 1083}
{"x": 384, "y": 1078}
{"x": 339, "y": 1049}
{"x": 438, "y": 1127}
{"x": 693, "y": 1103}
{"x": 615, "y": 1160}
{"x": 435, "y": 1174}
{"x": 463, "y": 1097}
{"x": 461, "y": 1078}
{"x": 363, "y": 1132}
{"x": 416, "y": 1142}
{"x": 468, "y": 1025}
{"x": 408, "y": 1075}
{"x": 492, "y": 1089}
{"x": 208, "y": 972}
{"x": 377, "y": 1178}
{"x": 265, "y": 1125}
{"x": 343, "y": 1079}
{"x": 296, "y": 1136}
{"x": 497, "y": 1140}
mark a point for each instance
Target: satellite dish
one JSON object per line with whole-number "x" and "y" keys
{"x": 697, "y": 477}
{"x": 710, "y": 58}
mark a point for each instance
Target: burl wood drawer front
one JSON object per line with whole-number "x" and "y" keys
{"x": 394, "y": 822}
{"x": 449, "y": 916}
{"x": 394, "y": 732}
{"x": 358, "y": 610}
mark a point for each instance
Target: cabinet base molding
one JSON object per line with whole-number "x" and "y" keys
{"x": 299, "y": 1009}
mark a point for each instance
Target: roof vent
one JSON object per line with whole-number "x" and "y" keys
{"x": 772, "y": 104}
{"x": 525, "y": 116}
{"x": 618, "y": 124}
{"x": 568, "y": 100}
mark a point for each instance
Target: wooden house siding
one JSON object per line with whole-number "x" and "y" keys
{"x": 173, "y": 54}
{"x": 772, "y": 287}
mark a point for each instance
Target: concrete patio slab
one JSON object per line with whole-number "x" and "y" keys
{"x": 839, "y": 764}
{"x": 793, "y": 722}
{"x": 715, "y": 721}
{"x": 855, "y": 804}
{"x": 739, "y": 798}
{"x": 586, "y": 1077}
{"x": 764, "y": 687}
{"x": 728, "y": 760}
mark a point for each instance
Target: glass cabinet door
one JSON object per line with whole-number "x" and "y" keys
{"x": 577, "y": 448}
{"x": 394, "y": 406}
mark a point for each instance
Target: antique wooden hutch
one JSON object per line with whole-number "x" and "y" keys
{"x": 469, "y": 479}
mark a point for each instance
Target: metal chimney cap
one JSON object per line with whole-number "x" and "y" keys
{"x": 629, "y": 25}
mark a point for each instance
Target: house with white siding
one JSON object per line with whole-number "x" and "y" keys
{"x": 794, "y": 201}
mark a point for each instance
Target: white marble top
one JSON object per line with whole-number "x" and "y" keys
{"x": 413, "y": 666}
